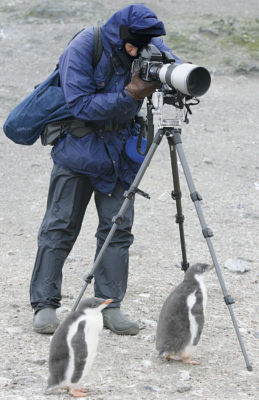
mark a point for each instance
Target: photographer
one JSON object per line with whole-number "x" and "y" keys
{"x": 107, "y": 98}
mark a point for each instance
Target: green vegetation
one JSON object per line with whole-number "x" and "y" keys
{"x": 229, "y": 44}
{"x": 242, "y": 33}
{"x": 221, "y": 44}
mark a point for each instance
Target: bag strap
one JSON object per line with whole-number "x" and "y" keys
{"x": 98, "y": 46}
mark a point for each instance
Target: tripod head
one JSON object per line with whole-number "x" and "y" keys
{"x": 181, "y": 103}
{"x": 155, "y": 114}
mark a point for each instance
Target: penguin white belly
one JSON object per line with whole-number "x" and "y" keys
{"x": 191, "y": 299}
{"x": 200, "y": 279}
{"x": 93, "y": 328}
{"x": 189, "y": 349}
{"x": 71, "y": 363}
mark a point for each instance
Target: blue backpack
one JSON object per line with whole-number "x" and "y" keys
{"x": 27, "y": 121}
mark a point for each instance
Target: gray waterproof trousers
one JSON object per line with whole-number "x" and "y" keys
{"x": 69, "y": 195}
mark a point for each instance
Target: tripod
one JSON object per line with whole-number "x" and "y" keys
{"x": 170, "y": 128}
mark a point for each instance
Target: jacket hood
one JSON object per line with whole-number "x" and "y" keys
{"x": 138, "y": 18}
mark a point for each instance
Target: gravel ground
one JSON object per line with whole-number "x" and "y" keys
{"x": 222, "y": 151}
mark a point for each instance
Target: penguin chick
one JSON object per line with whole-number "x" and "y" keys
{"x": 73, "y": 347}
{"x": 181, "y": 318}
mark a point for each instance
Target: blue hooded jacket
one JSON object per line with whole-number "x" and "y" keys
{"x": 96, "y": 95}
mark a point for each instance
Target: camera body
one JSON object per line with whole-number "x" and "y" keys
{"x": 187, "y": 78}
{"x": 150, "y": 59}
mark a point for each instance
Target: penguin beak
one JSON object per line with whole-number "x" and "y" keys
{"x": 211, "y": 267}
{"x": 108, "y": 301}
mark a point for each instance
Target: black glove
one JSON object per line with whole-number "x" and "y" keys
{"x": 139, "y": 89}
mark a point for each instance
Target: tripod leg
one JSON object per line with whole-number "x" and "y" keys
{"x": 117, "y": 219}
{"x": 177, "y": 195}
{"x": 207, "y": 233}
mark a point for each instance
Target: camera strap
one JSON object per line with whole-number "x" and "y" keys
{"x": 187, "y": 107}
{"x": 146, "y": 129}
{"x": 147, "y": 126}
{"x": 141, "y": 120}
{"x": 180, "y": 101}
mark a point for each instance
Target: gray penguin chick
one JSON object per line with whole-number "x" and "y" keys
{"x": 73, "y": 347}
{"x": 181, "y": 319}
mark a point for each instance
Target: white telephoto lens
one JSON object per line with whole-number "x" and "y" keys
{"x": 189, "y": 79}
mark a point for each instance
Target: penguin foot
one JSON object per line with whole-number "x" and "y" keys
{"x": 82, "y": 392}
{"x": 172, "y": 357}
{"x": 185, "y": 360}
{"x": 191, "y": 362}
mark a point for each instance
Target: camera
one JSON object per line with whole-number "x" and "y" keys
{"x": 189, "y": 79}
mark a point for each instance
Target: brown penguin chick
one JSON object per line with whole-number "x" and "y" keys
{"x": 181, "y": 319}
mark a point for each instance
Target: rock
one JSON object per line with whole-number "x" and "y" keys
{"x": 147, "y": 363}
{"x": 68, "y": 296}
{"x": 64, "y": 310}
{"x": 152, "y": 388}
{"x": 144, "y": 310}
{"x": 36, "y": 362}
{"x": 183, "y": 387}
{"x": 251, "y": 215}
{"x": 14, "y": 329}
{"x": 209, "y": 130}
{"x": 185, "y": 375}
{"x": 164, "y": 197}
{"x": 207, "y": 31}
{"x": 207, "y": 161}
{"x": 150, "y": 338}
{"x": 2, "y": 35}
{"x": 39, "y": 362}
{"x": 256, "y": 335}
{"x": 24, "y": 380}
{"x": 244, "y": 68}
{"x": 4, "y": 381}
{"x": 237, "y": 265}
{"x": 150, "y": 322}
{"x": 14, "y": 305}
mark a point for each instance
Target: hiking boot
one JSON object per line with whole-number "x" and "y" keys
{"x": 114, "y": 320}
{"x": 45, "y": 320}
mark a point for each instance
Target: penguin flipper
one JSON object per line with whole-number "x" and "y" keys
{"x": 58, "y": 358}
{"x": 79, "y": 346}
